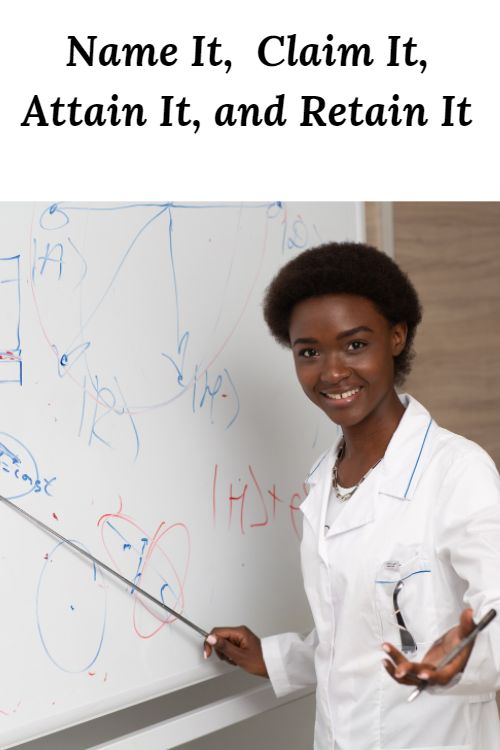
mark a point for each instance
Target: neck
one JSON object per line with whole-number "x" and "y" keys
{"x": 366, "y": 442}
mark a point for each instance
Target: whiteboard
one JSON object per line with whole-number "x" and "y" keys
{"x": 146, "y": 414}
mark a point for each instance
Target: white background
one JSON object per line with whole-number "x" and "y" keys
{"x": 457, "y": 39}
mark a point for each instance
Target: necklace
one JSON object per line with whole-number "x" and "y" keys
{"x": 335, "y": 479}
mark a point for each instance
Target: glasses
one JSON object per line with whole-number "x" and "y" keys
{"x": 408, "y": 644}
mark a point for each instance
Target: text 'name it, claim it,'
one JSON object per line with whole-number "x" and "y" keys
{"x": 271, "y": 51}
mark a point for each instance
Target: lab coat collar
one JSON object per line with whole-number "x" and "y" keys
{"x": 318, "y": 483}
{"x": 354, "y": 515}
{"x": 398, "y": 474}
{"x": 408, "y": 452}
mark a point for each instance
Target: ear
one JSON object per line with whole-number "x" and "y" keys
{"x": 399, "y": 333}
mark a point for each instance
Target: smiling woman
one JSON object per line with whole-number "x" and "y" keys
{"x": 347, "y": 333}
{"x": 344, "y": 352}
{"x": 391, "y": 540}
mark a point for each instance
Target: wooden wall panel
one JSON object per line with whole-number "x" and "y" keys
{"x": 452, "y": 253}
{"x": 373, "y": 224}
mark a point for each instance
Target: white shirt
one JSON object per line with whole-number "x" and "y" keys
{"x": 334, "y": 506}
{"x": 432, "y": 508}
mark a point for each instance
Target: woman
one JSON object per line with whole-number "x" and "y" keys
{"x": 401, "y": 533}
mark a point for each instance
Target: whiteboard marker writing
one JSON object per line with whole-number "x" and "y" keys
{"x": 104, "y": 566}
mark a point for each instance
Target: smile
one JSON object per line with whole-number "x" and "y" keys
{"x": 341, "y": 396}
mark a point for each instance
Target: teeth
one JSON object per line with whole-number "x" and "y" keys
{"x": 339, "y": 396}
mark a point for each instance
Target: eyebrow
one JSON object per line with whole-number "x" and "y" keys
{"x": 352, "y": 331}
{"x": 304, "y": 341}
{"x": 343, "y": 335}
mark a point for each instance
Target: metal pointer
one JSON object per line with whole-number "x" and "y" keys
{"x": 104, "y": 566}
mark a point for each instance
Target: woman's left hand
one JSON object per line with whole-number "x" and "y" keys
{"x": 412, "y": 673}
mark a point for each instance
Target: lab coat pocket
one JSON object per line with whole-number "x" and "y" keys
{"x": 404, "y": 600}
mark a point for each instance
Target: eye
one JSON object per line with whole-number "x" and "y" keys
{"x": 308, "y": 353}
{"x": 356, "y": 345}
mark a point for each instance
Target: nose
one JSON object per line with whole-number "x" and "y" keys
{"x": 335, "y": 369}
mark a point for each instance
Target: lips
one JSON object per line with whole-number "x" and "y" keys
{"x": 342, "y": 395}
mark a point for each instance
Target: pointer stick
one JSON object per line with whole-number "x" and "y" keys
{"x": 458, "y": 648}
{"x": 104, "y": 566}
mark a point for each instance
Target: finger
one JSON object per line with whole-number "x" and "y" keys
{"x": 428, "y": 673}
{"x": 401, "y": 662}
{"x": 238, "y": 646}
{"x": 444, "y": 675}
{"x": 225, "y": 658}
{"x": 408, "y": 678}
{"x": 234, "y": 635}
{"x": 208, "y": 647}
{"x": 208, "y": 644}
{"x": 393, "y": 652}
{"x": 229, "y": 651}
{"x": 402, "y": 670}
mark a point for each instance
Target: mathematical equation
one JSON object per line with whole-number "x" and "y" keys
{"x": 243, "y": 503}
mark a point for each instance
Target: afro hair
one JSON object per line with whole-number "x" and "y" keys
{"x": 345, "y": 268}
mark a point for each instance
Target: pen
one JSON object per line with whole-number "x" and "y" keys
{"x": 455, "y": 651}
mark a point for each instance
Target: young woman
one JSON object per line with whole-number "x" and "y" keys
{"x": 401, "y": 532}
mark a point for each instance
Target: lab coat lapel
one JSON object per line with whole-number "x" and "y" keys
{"x": 398, "y": 474}
{"x": 314, "y": 507}
{"x": 408, "y": 452}
{"x": 360, "y": 508}
{"x": 319, "y": 483}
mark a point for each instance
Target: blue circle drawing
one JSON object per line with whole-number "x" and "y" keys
{"x": 19, "y": 469}
{"x": 64, "y": 617}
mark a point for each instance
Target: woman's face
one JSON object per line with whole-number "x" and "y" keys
{"x": 344, "y": 353}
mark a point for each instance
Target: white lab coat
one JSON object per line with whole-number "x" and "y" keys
{"x": 428, "y": 514}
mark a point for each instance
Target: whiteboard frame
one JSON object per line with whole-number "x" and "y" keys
{"x": 202, "y": 721}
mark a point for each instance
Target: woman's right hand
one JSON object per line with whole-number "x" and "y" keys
{"x": 238, "y": 646}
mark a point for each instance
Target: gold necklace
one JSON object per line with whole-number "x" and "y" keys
{"x": 335, "y": 479}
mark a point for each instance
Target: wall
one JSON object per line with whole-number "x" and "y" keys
{"x": 450, "y": 251}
